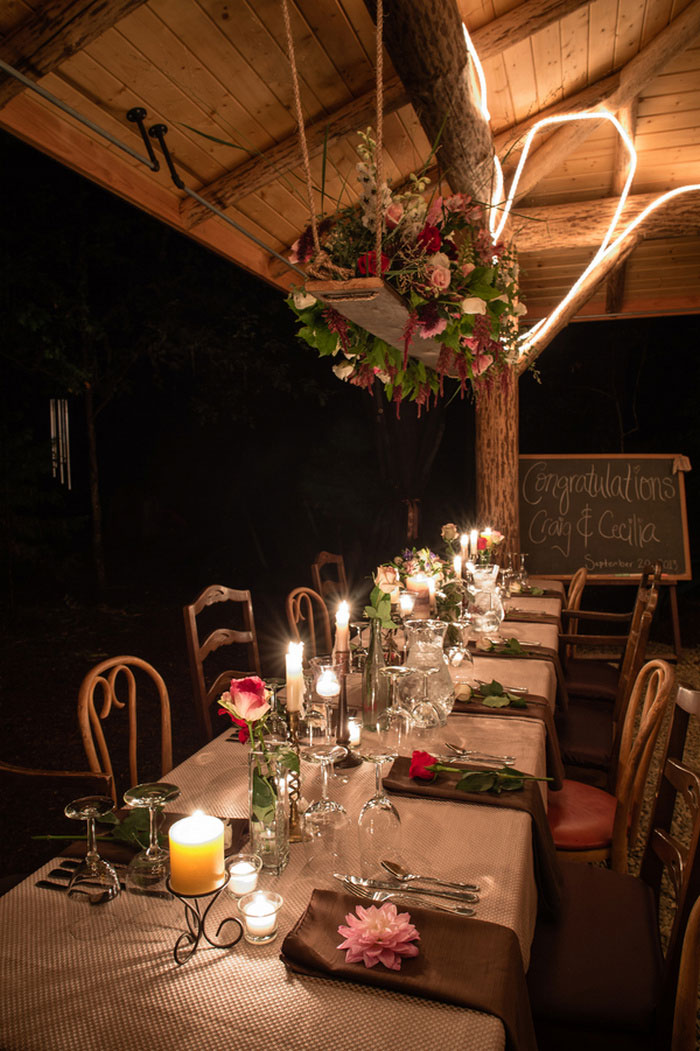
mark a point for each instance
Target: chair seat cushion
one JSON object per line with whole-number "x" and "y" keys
{"x": 586, "y": 733}
{"x": 581, "y": 817}
{"x": 591, "y": 678}
{"x": 599, "y": 965}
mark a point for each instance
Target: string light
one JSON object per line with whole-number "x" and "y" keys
{"x": 606, "y": 249}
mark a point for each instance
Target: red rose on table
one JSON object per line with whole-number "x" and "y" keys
{"x": 367, "y": 264}
{"x": 420, "y": 762}
{"x": 429, "y": 238}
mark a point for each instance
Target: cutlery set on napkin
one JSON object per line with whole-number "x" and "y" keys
{"x": 443, "y": 895}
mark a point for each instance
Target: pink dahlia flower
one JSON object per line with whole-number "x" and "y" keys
{"x": 378, "y": 935}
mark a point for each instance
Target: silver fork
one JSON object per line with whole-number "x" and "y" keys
{"x": 475, "y": 756}
{"x": 406, "y": 903}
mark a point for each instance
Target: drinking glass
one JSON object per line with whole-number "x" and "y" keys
{"x": 325, "y": 822}
{"x": 94, "y": 880}
{"x": 148, "y": 870}
{"x": 358, "y": 650}
{"x": 379, "y": 823}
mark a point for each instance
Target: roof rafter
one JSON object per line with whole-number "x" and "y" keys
{"x": 520, "y": 23}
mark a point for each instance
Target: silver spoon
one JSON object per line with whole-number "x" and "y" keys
{"x": 400, "y": 873}
{"x": 470, "y": 753}
{"x": 388, "y": 895}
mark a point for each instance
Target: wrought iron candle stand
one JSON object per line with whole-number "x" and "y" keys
{"x": 296, "y": 834}
{"x": 342, "y": 657}
{"x": 186, "y": 945}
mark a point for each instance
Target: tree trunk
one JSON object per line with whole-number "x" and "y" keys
{"x": 497, "y": 458}
{"x": 95, "y": 505}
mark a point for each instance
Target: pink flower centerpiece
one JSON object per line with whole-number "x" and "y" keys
{"x": 378, "y": 935}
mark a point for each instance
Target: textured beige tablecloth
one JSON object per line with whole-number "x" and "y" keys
{"x": 79, "y": 978}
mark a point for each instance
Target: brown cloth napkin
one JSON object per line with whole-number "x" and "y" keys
{"x": 121, "y": 853}
{"x": 537, "y": 708}
{"x": 525, "y": 617}
{"x": 530, "y": 653}
{"x": 528, "y": 798}
{"x": 540, "y": 593}
{"x": 461, "y": 961}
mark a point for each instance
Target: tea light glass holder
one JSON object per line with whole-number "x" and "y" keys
{"x": 244, "y": 870}
{"x": 260, "y": 912}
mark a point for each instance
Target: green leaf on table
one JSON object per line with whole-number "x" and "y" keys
{"x": 477, "y": 781}
{"x": 537, "y": 592}
{"x": 492, "y": 689}
{"x": 516, "y": 701}
{"x": 496, "y": 701}
{"x": 289, "y": 760}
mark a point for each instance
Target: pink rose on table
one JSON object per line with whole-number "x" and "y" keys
{"x": 440, "y": 277}
{"x": 420, "y": 764}
{"x": 393, "y": 215}
{"x": 247, "y": 699}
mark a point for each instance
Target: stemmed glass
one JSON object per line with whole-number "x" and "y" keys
{"x": 94, "y": 880}
{"x": 379, "y": 823}
{"x": 324, "y": 821}
{"x": 148, "y": 870}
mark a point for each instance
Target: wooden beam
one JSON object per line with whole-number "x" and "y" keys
{"x": 615, "y": 286}
{"x": 582, "y": 224}
{"x": 633, "y": 78}
{"x": 59, "y": 29}
{"x": 425, "y": 41}
{"x": 519, "y": 24}
{"x": 615, "y": 289}
{"x": 258, "y": 171}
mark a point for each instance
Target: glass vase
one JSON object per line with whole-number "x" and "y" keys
{"x": 425, "y": 653}
{"x": 267, "y": 809}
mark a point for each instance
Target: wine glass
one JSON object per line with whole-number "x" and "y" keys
{"x": 148, "y": 870}
{"x": 358, "y": 650}
{"x": 379, "y": 823}
{"x": 94, "y": 880}
{"x": 325, "y": 821}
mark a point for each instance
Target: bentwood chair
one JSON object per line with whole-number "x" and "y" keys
{"x": 598, "y": 976}
{"x": 124, "y": 683}
{"x": 214, "y": 605}
{"x": 589, "y": 730}
{"x": 309, "y": 621}
{"x": 589, "y": 824}
{"x": 685, "y": 1013}
{"x": 574, "y": 595}
{"x": 328, "y": 576}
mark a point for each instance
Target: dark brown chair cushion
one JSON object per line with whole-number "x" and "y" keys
{"x": 595, "y": 972}
{"x": 591, "y": 679}
{"x": 586, "y": 733}
{"x": 581, "y": 817}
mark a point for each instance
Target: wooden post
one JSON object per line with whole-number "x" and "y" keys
{"x": 497, "y": 458}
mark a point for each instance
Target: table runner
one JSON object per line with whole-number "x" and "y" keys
{"x": 537, "y": 708}
{"x": 528, "y": 799}
{"x": 461, "y": 961}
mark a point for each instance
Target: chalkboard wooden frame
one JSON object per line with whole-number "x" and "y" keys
{"x": 552, "y": 514}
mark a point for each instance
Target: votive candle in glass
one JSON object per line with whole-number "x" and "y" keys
{"x": 243, "y": 873}
{"x": 354, "y": 732}
{"x": 260, "y": 911}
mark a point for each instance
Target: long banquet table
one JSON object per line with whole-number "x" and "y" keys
{"x": 79, "y": 977}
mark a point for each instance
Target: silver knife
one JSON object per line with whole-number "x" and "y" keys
{"x": 401, "y": 888}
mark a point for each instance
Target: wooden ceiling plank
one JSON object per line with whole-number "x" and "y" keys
{"x": 62, "y": 28}
{"x": 260, "y": 170}
{"x": 657, "y": 15}
{"x": 547, "y": 65}
{"x": 628, "y": 31}
{"x": 333, "y": 30}
{"x": 520, "y": 23}
{"x": 575, "y": 42}
{"x": 520, "y": 66}
{"x": 602, "y": 17}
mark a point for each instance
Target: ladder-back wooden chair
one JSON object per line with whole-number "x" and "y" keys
{"x": 309, "y": 621}
{"x": 328, "y": 577}
{"x": 598, "y": 976}
{"x": 589, "y": 731}
{"x": 230, "y": 606}
{"x": 574, "y": 595}
{"x": 117, "y": 684}
{"x": 589, "y": 824}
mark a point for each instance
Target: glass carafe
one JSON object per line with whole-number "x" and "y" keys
{"x": 425, "y": 652}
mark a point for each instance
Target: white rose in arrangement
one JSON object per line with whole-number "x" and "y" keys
{"x": 473, "y": 305}
{"x": 344, "y": 371}
{"x": 302, "y": 301}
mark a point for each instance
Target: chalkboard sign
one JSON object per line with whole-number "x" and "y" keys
{"x": 611, "y": 514}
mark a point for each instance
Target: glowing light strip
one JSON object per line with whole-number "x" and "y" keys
{"x": 483, "y": 102}
{"x": 545, "y": 324}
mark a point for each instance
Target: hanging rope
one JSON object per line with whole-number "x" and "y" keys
{"x": 321, "y": 265}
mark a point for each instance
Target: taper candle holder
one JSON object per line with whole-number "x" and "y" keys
{"x": 296, "y": 834}
{"x": 342, "y": 657}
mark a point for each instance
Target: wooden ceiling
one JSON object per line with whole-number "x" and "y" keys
{"x": 218, "y": 70}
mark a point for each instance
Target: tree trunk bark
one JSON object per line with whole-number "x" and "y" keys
{"x": 497, "y": 414}
{"x": 95, "y": 505}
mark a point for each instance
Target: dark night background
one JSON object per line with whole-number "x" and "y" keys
{"x": 227, "y": 452}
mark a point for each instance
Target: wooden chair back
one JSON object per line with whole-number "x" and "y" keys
{"x": 306, "y": 608}
{"x": 574, "y": 595}
{"x": 328, "y": 576}
{"x": 632, "y": 661}
{"x": 678, "y": 790}
{"x": 649, "y": 700}
{"x": 115, "y": 680}
{"x": 685, "y": 1012}
{"x": 621, "y": 623}
{"x": 208, "y": 687}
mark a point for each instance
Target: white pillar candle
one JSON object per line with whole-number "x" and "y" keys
{"x": 295, "y": 677}
{"x": 342, "y": 630}
{"x": 197, "y": 854}
{"x": 418, "y": 584}
{"x": 473, "y": 542}
{"x": 464, "y": 545}
{"x": 432, "y": 588}
{"x": 457, "y": 566}
{"x": 354, "y": 732}
{"x": 406, "y": 602}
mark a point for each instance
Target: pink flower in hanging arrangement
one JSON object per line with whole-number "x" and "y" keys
{"x": 440, "y": 278}
{"x": 378, "y": 935}
{"x": 367, "y": 264}
{"x": 480, "y": 362}
{"x": 429, "y": 238}
{"x": 393, "y": 215}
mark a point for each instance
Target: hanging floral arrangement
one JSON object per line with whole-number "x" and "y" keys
{"x": 459, "y": 288}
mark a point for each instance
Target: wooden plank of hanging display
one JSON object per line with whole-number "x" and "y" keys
{"x": 373, "y": 305}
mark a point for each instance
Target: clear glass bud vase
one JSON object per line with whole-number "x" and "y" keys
{"x": 267, "y": 809}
